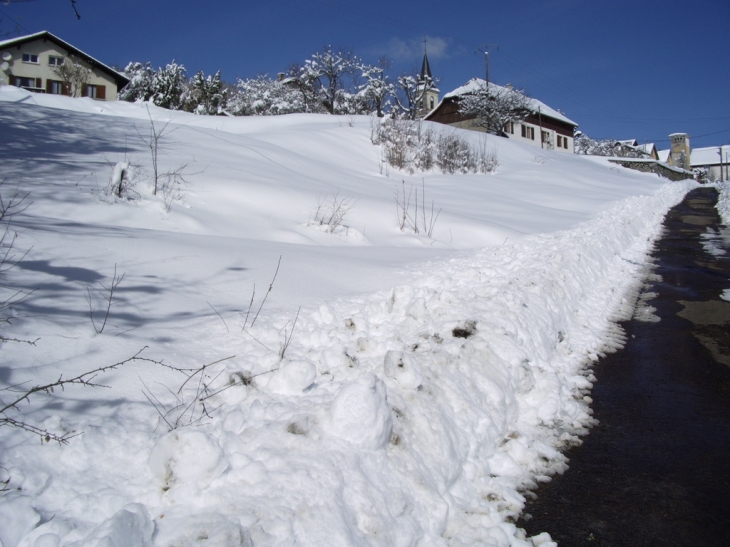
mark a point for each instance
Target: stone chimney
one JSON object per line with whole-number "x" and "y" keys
{"x": 679, "y": 155}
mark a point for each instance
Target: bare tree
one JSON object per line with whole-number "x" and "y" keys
{"x": 157, "y": 131}
{"x": 409, "y": 96}
{"x": 377, "y": 88}
{"x": 74, "y": 76}
{"x": 493, "y": 107}
{"x": 328, "y": 71}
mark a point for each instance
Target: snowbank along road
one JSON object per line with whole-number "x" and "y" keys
{"x": 425, "y": 386}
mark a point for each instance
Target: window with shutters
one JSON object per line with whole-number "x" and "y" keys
{"x": 528, "y": 132}
{"x": 55, "y": 87}
{"x": 95, "y": 91}
{"x": 27, "y": 83}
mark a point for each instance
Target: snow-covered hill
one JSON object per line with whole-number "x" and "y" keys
{"x": 426, "y": 384}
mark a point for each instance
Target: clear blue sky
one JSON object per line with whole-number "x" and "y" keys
{"x": 621, "y": 69}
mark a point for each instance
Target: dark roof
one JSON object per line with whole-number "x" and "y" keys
{"x": 120, "y": 79}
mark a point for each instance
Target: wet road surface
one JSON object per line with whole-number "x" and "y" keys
{"x": 656, "y": 471}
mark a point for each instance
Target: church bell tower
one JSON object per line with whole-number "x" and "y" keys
{"x": 428, "y": 89}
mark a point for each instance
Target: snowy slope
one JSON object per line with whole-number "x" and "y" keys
{"x": 428, "y": 382}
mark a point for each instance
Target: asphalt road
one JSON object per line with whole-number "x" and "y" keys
{"x": 656, "y": 471}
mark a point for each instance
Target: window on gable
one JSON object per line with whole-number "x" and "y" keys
{"x": 55, "y": 61}
{"x": 30, "y": 58}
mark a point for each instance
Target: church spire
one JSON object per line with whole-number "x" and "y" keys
{"x": 426, "y": 70}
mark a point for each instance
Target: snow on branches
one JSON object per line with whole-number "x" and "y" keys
{"x": 493, "y": 107}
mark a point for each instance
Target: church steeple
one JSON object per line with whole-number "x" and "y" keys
{"x": 426, "y": 69}
{"x": 430, "y": 93}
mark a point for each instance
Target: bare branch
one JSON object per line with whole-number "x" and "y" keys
{"x": 271, "y": 286}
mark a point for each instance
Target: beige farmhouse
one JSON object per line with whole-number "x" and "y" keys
{"x": 545, "y": 127}
{"x": 32, "y": 62}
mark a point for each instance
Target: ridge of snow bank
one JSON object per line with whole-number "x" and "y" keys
{"x": 723, "y": 201}
{"x": 434, "y": 408}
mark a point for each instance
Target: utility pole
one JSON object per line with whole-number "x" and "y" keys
{"x": 719, "y": 151}
{"x": 539, "y": 116}
{"x": 486, "y": 48}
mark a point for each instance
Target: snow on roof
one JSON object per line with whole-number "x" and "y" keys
{"x": 709, "y": 155}
{"x": 472, "y": 85}
{"x": 663, "y": 155}
{"x": 629, "y": 142}
{"x": 646, "y": 147}
{"x": 72, "y": 49}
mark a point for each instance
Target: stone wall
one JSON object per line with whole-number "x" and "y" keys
{"x": 653, "y": 166}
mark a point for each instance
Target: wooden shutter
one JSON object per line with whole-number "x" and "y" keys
{"x": 49, "y": 86}
{"x": 38, "y": 83}
{"x": 101, "y": 92}
{"x": 66, "y": 88}
{"x": 11, "y": 80}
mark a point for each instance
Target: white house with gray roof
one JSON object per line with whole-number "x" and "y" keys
{"x": 31, "y": 61}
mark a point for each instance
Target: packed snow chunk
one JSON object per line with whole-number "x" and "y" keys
{"x": 130, "y": 527}
{"x": 189, "y": 457}
{"x": 404, "y": 369}
{"x": 201, "y": 530}
{"x": 292, "y": 377}
{"x": 543, "y": 540}
{"x": 17, "y": 518}
{"x": 360, "y": 413}
{"x": 401, "y": 297}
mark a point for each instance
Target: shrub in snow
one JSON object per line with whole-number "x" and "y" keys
{"x": 122, "y": 182}
{"x": 263, "y": 96}
{"x": 168, "y": 86}
{"x": 205, "y": 95}
{"x": 583, "y": 144}
{"x": 330, "y": 213}
{"x": 412, "y": 146}
{"x": 360, "y": 413}
{"x": 139, "y": 87}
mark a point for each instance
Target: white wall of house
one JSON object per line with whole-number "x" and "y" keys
{"x": 547, "y": 140}
{"x": 532, "y": 135}
{"x": 44, "y": 51}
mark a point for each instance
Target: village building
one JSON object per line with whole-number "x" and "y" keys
{"x": 544, "y": 127}
{"x": 427, "y": 90}
{"x": 680, "y": 151}
{"x": 32, "y": 62}
{"x": 714, "y": 161}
